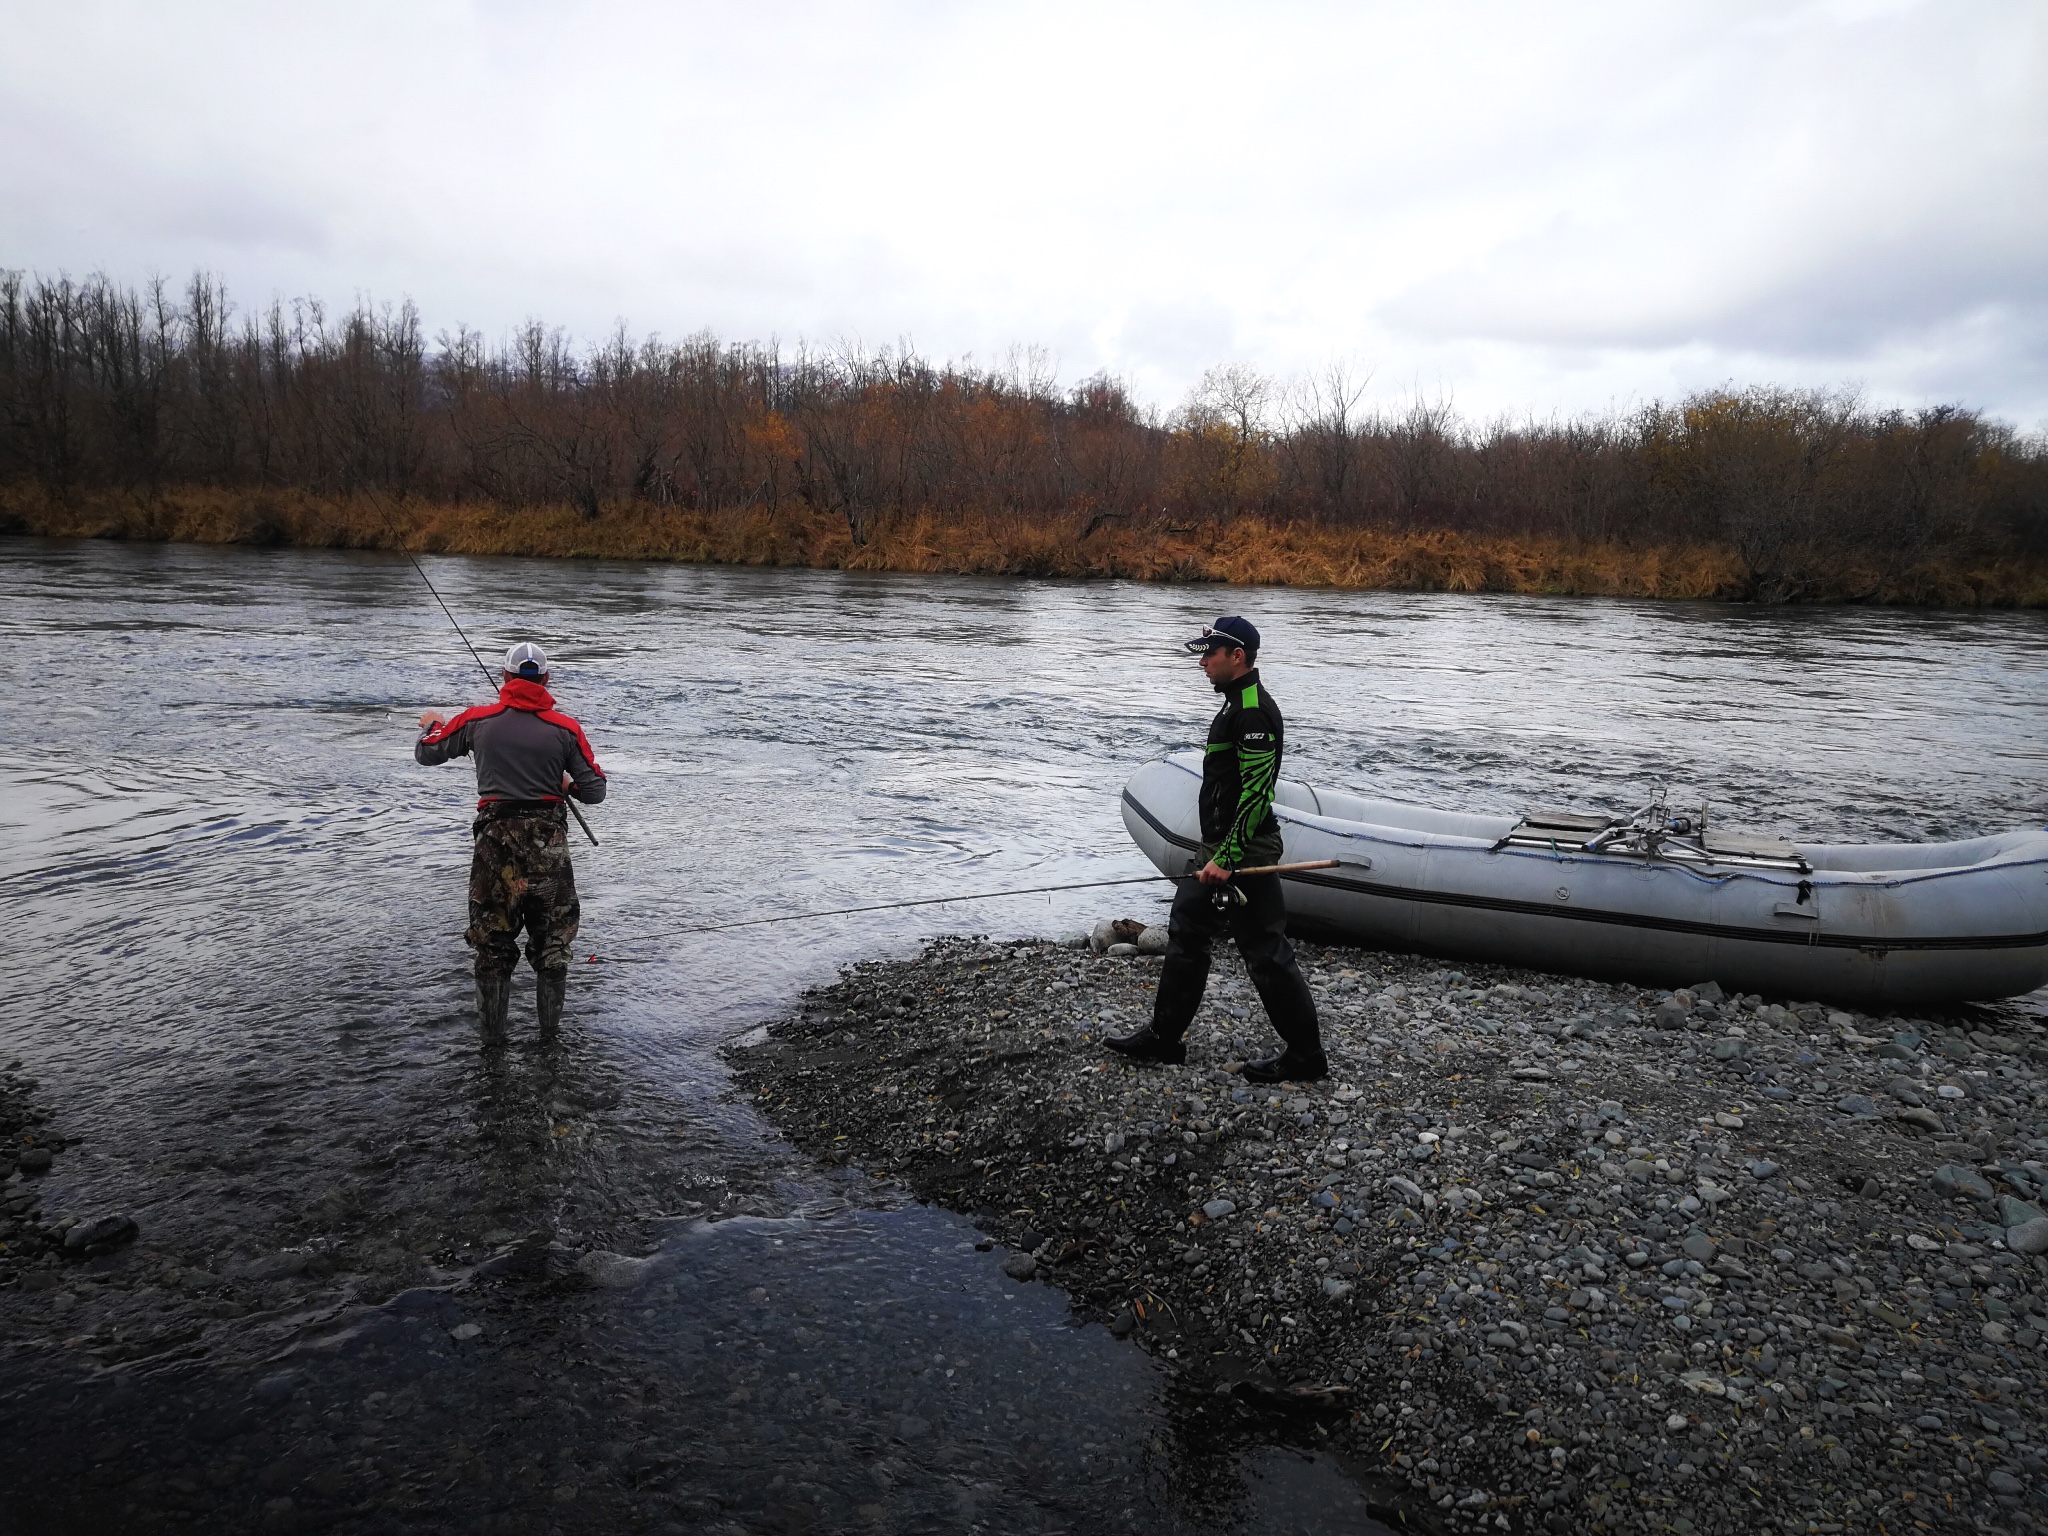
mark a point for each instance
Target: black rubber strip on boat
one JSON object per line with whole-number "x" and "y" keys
{"x": 1627, "y": 919}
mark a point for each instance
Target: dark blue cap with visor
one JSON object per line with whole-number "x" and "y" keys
{"x": 1225, "y": 634}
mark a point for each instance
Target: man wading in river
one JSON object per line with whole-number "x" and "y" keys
{"x": 1240, "y": 768}
{"x": 528, "y": 755}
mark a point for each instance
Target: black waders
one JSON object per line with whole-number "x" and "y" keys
{"x": 1255, "y": 915}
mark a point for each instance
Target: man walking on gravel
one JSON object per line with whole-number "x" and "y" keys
{"x": 1240, "y": 769}
{"x": 528, "y": 756}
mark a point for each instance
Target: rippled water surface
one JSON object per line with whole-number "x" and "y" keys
{"x": 234, "y": 962}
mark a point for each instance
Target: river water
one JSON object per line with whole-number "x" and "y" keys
{"x": 234, "y": 963}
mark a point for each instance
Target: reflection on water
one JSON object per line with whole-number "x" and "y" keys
{"x": 235, "y": 908}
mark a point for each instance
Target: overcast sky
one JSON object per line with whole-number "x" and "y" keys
{"x": 1535, "y": 208}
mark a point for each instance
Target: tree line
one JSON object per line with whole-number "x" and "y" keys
{"x": 141, "y": 391}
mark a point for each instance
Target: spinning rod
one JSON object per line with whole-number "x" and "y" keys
{"x": 573, "y": 809}
{"x": 474, "y": 656}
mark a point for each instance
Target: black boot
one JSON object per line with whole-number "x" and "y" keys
{"x": 1145, "y": 1046}
{"x": 549, "y": 990}
{"x": 1290, "y": 1066}
{"x": 493, "y": 996}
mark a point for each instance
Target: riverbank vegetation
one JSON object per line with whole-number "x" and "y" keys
{"x": 165, "y": 415}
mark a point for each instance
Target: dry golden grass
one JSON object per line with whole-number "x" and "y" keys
{"x": 1247, "y": 550}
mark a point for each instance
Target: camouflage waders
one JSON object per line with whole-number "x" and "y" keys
{"x": 520, "y": 877}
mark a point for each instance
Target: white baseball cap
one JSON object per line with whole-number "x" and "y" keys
{"x": 526, "y": 660}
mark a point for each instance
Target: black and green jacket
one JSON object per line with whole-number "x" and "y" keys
{"x": 1240, "y": 768}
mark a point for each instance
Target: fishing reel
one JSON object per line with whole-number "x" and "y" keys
{"x": 1227, "y": 897}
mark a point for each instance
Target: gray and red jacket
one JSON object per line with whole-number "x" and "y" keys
{"x": 522, "y": 745}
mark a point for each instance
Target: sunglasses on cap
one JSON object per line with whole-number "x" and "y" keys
{"x": 1214, "y": 639}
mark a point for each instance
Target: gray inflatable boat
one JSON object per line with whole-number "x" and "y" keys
{"x": 1655, "y": 898}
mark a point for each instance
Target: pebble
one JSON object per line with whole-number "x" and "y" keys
{"x": 1583, "y": 1230}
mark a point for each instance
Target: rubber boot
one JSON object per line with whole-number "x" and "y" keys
{"x": 1301, "y": 1062}
{"x": 493, "y": 997}
{"x": 550, "y": 988}
{"x": 1145, "y": 1046}
{"x": 1290, "y": 1066}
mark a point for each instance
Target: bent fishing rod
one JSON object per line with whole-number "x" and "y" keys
{"x": 574, "y": 810}
{"x": 380, "y": 498}
{"x": 935, "y": 901}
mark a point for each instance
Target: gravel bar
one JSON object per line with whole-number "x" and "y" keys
{"x": 1555, "y": 1255}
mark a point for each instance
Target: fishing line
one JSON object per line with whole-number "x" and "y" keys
{"x": 935, "y": 901}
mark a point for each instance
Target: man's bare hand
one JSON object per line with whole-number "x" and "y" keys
{"x": 432, "y": 718}
{"x": 1212, "y": 873}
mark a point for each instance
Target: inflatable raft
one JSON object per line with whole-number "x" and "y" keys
{"x": 1656, "y": 898}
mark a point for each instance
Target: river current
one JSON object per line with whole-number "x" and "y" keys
{"x": 234, "y": 963}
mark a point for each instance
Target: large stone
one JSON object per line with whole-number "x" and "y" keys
{"x": 1906, "y": 1091}
{"x": 1020, "y": 1266}
{"x": 1921, "y": 1120}
{"x": 2017, "y": 1213}
{"x": 1407, "y": 1191}
{"x": 613, "y": 1271}
{"x": 1698, "y": 1245}
{"x": 1856, "y": 1104}
{"x": 1708, "y": 992}
{"x": 1152, "y": 941}
{"x": 98, "y": 1231}
{"x": 2029, "y": 1237}
{"x": 1966, "y": 1183}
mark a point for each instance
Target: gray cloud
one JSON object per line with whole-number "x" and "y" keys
{"x": 1539, "y": 209}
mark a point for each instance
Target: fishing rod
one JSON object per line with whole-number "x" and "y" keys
{"x": 380, "y": 498}
{"x": 935, "y": 901}
{"x": 573, "y": 810}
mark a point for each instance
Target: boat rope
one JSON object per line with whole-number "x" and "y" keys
{"x": 934, "y": 901}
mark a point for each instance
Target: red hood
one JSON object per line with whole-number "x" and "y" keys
{"x": 518, "y": 693}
